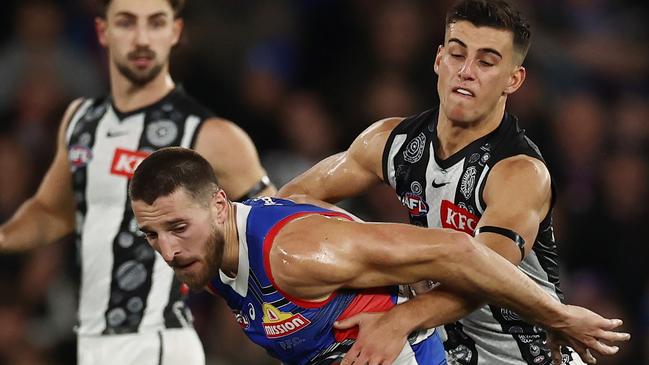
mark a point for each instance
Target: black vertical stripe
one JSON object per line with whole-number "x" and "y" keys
{"x": 161, "y": 352}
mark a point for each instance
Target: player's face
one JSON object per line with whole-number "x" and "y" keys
{"x": 477, "y": 69}
{"x": 185, "y": 234}
{"x": 139, "y": 36}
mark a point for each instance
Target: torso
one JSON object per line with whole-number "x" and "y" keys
{"x": 293, "y": 330}
{"x": 448, "y": 194}
{"x": 125, "y": 286}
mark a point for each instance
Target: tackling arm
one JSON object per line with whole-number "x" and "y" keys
{"x": 348, "y": 173}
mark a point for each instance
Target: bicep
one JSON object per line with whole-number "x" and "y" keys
{"x": 233, "y": 157}
{"x": 348, "y": 173}
{"x": 518, "y": 195}
{"x": 55, "y": 191}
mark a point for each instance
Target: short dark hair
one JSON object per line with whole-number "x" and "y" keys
{"x": 498, "y": 14}
{"x": 165, "y": 171}
{"x": 176, "y": 5}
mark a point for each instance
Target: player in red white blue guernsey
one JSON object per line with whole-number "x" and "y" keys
{"x": 289, "y": 270}
{"x": 293, "y": 330}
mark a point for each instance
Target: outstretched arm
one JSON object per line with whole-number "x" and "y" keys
{"x": 518, "y": 196}
{"x": 49, "y": 214}
{"x": 348, "y": 173}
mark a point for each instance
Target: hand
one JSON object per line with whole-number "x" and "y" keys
{"x": 584, "y": 330}
{"x": 379, "y": 341}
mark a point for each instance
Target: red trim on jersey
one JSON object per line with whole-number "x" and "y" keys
{"x": 268, "y": 244}
{"x": 210, "y": 288}
{"x": 367, "y": 301}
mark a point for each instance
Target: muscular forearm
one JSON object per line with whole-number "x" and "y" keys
{"x": 435, "y": 308}
{"x": 32, "y": 226}
{"x": 497, "y": 281}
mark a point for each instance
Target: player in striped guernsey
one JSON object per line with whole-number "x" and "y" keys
{"x": 131, "y": 310}
{"x": 289, "y": 271}
{"x": 465, "y": 166}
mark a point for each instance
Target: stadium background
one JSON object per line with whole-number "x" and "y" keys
{"x": 303, "y": 77}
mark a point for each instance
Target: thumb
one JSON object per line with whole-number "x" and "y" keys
{"x": 348, "y": 323}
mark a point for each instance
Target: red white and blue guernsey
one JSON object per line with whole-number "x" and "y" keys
{"x": 292, "y": 330}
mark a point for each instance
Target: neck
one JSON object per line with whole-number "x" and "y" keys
{"x": 128, "y": 97}
{"x": 230, "y": 262}
{"x": 455, "y": 135}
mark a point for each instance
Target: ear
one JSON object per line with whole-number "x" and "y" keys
{"x": 178, "y": 26}
{"x": 515, "y": 80}
{"x": 220, "y": 206}
{"x": 100, "y": 26}
{"x": 438, "y": 58}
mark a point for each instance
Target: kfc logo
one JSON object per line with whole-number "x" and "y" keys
{"x": 457, "y": 218}
{"x": 415, "y": 204}
{"x": 125, "y": 162}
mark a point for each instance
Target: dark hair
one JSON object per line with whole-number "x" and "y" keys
{"x": 498, "y": 14}
{"x": 172, "y": 168}
{"x": 176, "y": 5}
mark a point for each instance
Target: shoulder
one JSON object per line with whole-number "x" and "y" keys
{"x": 222, "y": 132}
{"x": 519, "y": 176}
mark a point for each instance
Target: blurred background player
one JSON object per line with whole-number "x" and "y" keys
{"x": 131, "y": 310}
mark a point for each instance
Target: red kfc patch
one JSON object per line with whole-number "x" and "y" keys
{"x": 458, "y": 218}
{"x": 125, "y": 162}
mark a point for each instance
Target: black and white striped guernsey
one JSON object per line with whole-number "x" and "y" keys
{"x": 125, "y": 286}
{"x": 448, "y": 193}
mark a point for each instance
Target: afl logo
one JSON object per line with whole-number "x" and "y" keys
{"x": 415, "y": 204}
{"x": 415, "y": 149}
{"x": 79, "y": 155}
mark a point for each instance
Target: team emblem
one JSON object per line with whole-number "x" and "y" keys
{"x": 474, "y": 158}
{"x": 279, "y": 324}
{"x": 161, "y": 133}
{"x": 468, "y": 181}
{"x": 416, "y": 187}
{"x": 415, "y": 149}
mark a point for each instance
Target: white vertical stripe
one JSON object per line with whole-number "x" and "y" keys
{"x": 240, "y": 283}
{"x": 75, "y": 119}
{"x": 478, "y": 187}
{"x": 161, "y": 281}
{"x": 451, "y": 176}
{"x": 106, "y": 199}
{"x": 190, "y": 128}
{"x": 396, "y": 145}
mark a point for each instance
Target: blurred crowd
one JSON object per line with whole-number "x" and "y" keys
{"x": 303, "y": 78}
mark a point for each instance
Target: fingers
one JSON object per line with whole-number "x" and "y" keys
{"x": 614, "y": 336}
{"x": 351, "y": 355}
{"x": 585, "y": 354}
{"x": 349, "y": 322}
{"x": 604, "y": 349}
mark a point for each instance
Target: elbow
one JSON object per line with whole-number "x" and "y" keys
{"x": 461, "y": 247}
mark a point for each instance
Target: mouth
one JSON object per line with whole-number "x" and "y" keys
{"x": 463, "y": 92}
{"x": 184, "y": 266}
{"x": 142, "y": 62}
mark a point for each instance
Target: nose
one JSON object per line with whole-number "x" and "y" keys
{"x": 167, "y": 249}
{"x": 142, "y": 36}
{"x": 466, "y": 72}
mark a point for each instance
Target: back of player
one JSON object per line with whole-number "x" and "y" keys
{"x": 294, "y": 330}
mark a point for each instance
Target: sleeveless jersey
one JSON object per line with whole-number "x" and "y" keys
{"x": 125, "y": 287}
{"x": 448, "y": 193}
{"x": 293, "y": 330}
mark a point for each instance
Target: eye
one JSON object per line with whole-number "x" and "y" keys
{"x": 158, "y": 23}
{"x": 485, "y": 63}
{"x": 150, "y": 236}
{"x": 180, "y": 229}
{"x": 124, "y": 23}
{"x": 457, "y": 55}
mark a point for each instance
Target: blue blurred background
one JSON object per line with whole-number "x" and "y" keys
{"x": 303, "y": 78}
